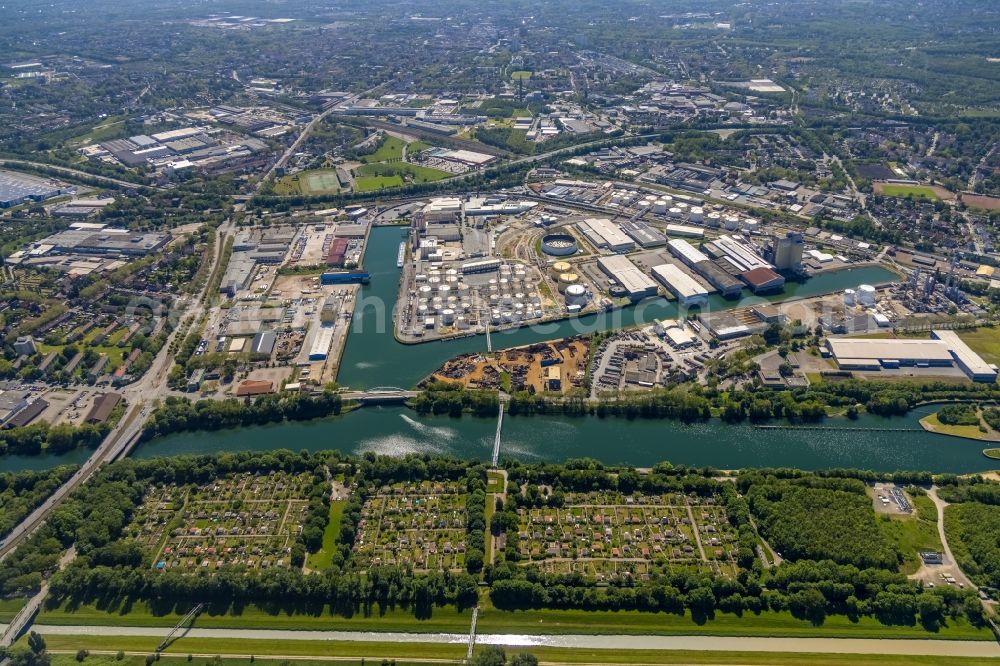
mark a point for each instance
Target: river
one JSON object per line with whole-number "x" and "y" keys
{"x": 372, "y": 357}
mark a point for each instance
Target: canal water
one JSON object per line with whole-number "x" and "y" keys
{"x": 642, "y": 443}
{"x": 373, "y": 357}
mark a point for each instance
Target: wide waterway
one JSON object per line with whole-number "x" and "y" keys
{"x": 642, "y": 443}
{"x": 373, "y": 357}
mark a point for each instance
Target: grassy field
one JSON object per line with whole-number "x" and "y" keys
{"x": 983, "y": 341}
{"x": 913, "y": 533}
{"x": 491, "y": 620}
{"x": 494, "y": 482}
{"x": 723, "y": 624}
{"x": 416, "y": 173}
{"x": 416, "y": 146}
{"x": 137, "y": 658}
{"x": 895, "y": 190}
{"x": 931, "y": 423}
{"x": 321, "y": 559}
{"x": 312, "y": 653}
{"x": 316, "y": 181}
{"x": 374, "y": 183}
{"x": 116, "y": 355}
{"x": 391, "y": 149}
{"x": 10, "y": 607}
{"x": 112, "y": 127}
{"x": 139, "y": 614}
{"x": 520, "y": 74}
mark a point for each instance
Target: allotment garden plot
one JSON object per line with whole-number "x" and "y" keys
{"x": 245, "y": 520}
{"x": 413, "y": 524}
{"x": 606, "y": 535}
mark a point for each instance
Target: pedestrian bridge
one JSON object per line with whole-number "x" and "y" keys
{"x": 380, "y": 394}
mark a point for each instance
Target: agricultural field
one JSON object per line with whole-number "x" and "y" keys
{"x": 606, "y": 535}
{"x": 245, "y": 520}
{"x": 416, "y": 524}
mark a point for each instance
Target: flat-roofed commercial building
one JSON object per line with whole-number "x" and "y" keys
{"x": 946, "y": 349}
{"x": 603, "y": 233}
{"x": 685, "y": 230}
{"x": 687, "y": 290}
{"x": 971, "y": 363}
{"x": 643, "y": 234}
{"x": 636, "y": 284}
{"x": 686, "y": 252}
{"x": 321, "y": 343}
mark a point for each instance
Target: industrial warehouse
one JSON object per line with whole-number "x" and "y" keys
{"x": 944, "y": 350}
{"x": 87, "y": 247}
{"x": 687, "y": 290}
{"x": 634, "y": 284}
{"x": 19, "y": 188}
{"x": 605, "y": 234}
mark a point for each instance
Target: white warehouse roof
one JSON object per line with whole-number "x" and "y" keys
{"x": 970, "y": 361}
{"x": 684, "y": 250}
{"x": 680, "y": 284}
{"x": 609, "y": 233}
{"x": 628, "y": 275}
{"x": 889, "y": 349}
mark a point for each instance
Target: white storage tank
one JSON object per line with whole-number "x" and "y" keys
{"x": 447, "y": 316}
{"x": 731, "y": 222}
{"x": 425, "y": 291}
{"x": 674, "y": 212}
{"x": 660, "y": 207}
{"x": 713, "y": 219}
{"x": 576, "y": 294}
{"x": 850, "y": 297}
{"x": 866, "y": 295}
{"x": 697, "y": 214}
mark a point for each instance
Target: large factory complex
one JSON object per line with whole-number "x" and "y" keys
{"x": 86, "y": 247}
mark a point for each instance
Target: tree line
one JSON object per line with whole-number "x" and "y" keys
{"x": 181, "y": 414}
